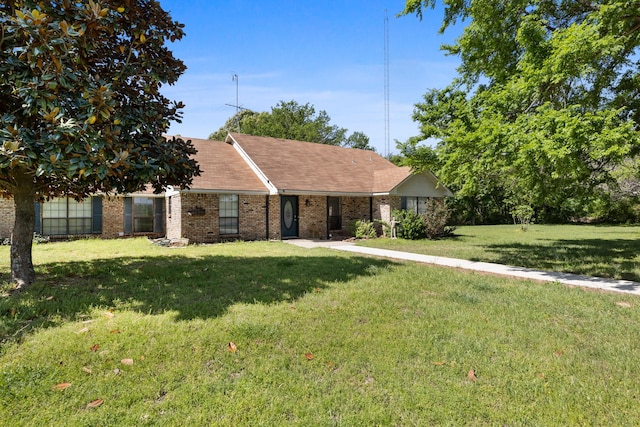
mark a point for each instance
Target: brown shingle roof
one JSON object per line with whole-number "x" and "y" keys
{"x": 223, "y": 169}
{"x": 295, "y": 166}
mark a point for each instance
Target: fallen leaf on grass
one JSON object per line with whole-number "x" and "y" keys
{"x": 115, "y": 331}
{"x": 438, "y": 363}
{"x": 108, "y": 314}
{"x": 87, "y": 370}
{"x": 624, "y": 304}
{"x": 95, "y": 403}
{"x": 61, "y": 386}
{"x": 309, "y": 356}
{"x": 83, "y": 330}
{"x": 127, "y": 361}
{"x": 95, "y": 347}
{"x": 472, "y": 375}
{"x": 232, "y": 347}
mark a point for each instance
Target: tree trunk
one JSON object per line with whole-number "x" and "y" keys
{"x": 22, "y": 272}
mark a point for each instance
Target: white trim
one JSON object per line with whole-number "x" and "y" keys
{"x": 272, "y": 188}
{"x": 223, "y": 191}
{"x": 147, "y": 195}
{"x": 293, "y": 192}
{"x": 171, "y": 191}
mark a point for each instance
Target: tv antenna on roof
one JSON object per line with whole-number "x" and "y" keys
{"x": 237, "y": 106}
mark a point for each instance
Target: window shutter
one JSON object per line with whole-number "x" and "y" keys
{"x": 403, "y": 205}
{"x": 38, "y": 220}
{"x": 128, "y": 215}
{"x": 158, "y": 225}
{"x": 96, "y": 214}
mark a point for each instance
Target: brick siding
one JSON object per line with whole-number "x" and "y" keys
{"x": 173, "y": 218}
{"x": 252, "y": 217}
{"x": 112, "y": 217}
{"x": 274, "y": 218}
{"x": 252, "y": 211}
{"x": 7, "y": 217}
{"x": 312, "y": 214}
{"x": 197, "y": 218}
{"x": 354, "y": 208}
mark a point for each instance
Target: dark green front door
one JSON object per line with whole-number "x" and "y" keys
{"x": 289, "y": 216}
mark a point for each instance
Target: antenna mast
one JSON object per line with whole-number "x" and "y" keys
{"x": 386, "y": 84}
{"x": 235, "y": 79}
{"x": 237, "y": 106}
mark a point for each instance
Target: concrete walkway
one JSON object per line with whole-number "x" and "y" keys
{"x": 623, "y": 286}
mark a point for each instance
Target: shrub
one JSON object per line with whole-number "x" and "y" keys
{"x": 362, "y": 229}
{"x": 37, "y": 238}
{"x": 435, "y": 219}
{"x": 410, "y": 225}
{"x": 432, "y": 224}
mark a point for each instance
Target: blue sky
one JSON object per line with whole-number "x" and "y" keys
{"x": 328, "y": 53}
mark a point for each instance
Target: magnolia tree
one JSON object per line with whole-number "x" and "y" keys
{"x": 80, "y": 106}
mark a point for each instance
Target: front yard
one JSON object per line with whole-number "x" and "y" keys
{"x": 593, "y": 250}
{"x": 123, "y": 332}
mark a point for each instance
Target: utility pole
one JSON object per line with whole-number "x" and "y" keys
{"x": 386, "y": 84}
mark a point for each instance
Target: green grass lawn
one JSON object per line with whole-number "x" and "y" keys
{"x": 322, "y": 338}
{"x": 603, "y": 251}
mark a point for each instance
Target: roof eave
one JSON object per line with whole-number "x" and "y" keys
{"x": 224, "y": 191}
{"x": 297, "y": 192}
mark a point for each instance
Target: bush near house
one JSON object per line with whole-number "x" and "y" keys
{"x": 362, "y": 229}
{"x": 432, "y": 224}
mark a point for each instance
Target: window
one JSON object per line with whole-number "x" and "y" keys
{"x": 65, "y": 216}
{"x": 228, "y": 214}
{"x": 416, "y": 204}
{"x": 142, "y": 215}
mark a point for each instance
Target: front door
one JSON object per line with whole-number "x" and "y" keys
{"x": 289, "y": 216}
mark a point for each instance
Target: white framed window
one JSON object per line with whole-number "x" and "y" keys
{"x": 228, "y": 214}
{"x": 417, "y": 204}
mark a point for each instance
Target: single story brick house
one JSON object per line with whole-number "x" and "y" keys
{"x": 251, "y": 188}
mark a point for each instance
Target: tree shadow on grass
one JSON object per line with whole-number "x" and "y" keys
{"x": 615, "y": 259}
{"x": 203, "y": 287}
